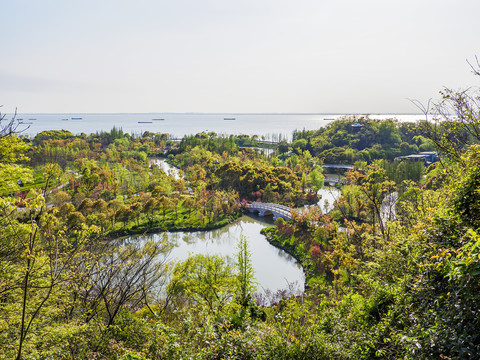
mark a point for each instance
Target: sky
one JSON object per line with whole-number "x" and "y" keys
{"x": 250, "y": 56}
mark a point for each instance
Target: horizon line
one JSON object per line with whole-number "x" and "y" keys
{"x": 225, "y": 113}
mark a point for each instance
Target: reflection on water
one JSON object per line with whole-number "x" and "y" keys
{"x": 274, "y": 268}
{"x": 327, "y": 196}
{"x": 166, "y": 167}
{"x": 266, "y": 151}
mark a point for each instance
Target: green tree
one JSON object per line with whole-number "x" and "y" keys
{"x": 316, "y": 179}
{"x": 12, "y": 150}
{"x": 204, "y": 280}
{"x": 150, "y": 207}
{"x": 245, "y": 273}
{"x": 375, "y": 186}
{"x": 125, "y": 214}
{"x": 456, "y": 123}
{"x": 188, "y": 203}
{"x": 164, "y": 202}
{"x": 39, "y": 260}
{"x": 268, "y": 194}
{"x": 75, "y": 220}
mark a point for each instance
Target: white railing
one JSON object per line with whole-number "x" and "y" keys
{"x": 274, "y": 208}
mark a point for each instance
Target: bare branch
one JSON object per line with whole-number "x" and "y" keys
{"x": 12, "y": 126}
{"x": 424, "y": 109}
{"x": 475, "y": 68}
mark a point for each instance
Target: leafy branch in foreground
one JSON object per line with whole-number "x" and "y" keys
{"x": 456, "y": 119}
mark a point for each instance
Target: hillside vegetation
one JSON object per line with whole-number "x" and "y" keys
{"x": 409, "y": 288}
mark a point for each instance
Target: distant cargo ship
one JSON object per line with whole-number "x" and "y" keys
{"x": 229, "y": 119}
{"x": 77, "y": 118}
{"x": 158, "y": 119}
{"x": 144, "y": 122}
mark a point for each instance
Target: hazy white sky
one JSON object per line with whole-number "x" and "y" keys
{"x": 233, "y": 56}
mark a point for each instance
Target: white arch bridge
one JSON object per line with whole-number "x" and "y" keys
{"x": 270, "y": 209}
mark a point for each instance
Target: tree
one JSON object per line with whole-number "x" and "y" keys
{"x": 136, "y": 207}
{"x": 188, "y": 202}
{"x": 75, "y": 220}
{"x": 12, "y": 150}
{"x": 316, "y": 179}
{"x": 149, "y": 208}
{"x": 456, "y": 120}
{"x": 268, "y": 194}
{"x": 120, "y": 276}
{"x": 175, "y": 199}
{"x": 245, "y": 273}
{"x": 375, "y": 186}
{"x": 164, "y": 202}
{"x": 9, "y": 127}
{"x": 206, "y": 281}
{"x": 113, "y": 206}
{"x": 125, "y": 214}
{"x": 99, "y": 205}
{"x": 85, "y": 206}
{"x": 40, "y": 259}
{"x": 61, "y": 197}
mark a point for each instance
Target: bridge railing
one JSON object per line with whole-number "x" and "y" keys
{"x": 333, "y": 180}
{"x": 269, "y": 206}
{"x": 277, "y": 208}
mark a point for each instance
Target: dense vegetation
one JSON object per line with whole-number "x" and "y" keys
{"x": 363, "y": 139}
{"x": 376, "y": 288}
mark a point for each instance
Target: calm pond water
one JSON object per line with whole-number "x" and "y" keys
{"x": 328, "y": 196}
{"x": 166, "y": 167}
{"x": 274, "y": 268}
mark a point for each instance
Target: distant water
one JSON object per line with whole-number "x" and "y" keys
{"x": 179, "y": 125}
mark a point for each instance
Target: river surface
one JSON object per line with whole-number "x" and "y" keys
{"x": 274, "y": 268}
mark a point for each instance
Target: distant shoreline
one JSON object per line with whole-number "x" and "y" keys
{"x": 271, "y": 126}
{"x": 214, "y": 113}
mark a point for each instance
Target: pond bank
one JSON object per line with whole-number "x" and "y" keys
{"x": 275, "y": 269}
{"x": 160, "y": 229}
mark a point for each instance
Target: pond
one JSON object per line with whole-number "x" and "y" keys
{"x": 274, "y": 268}
{"x": 328, "y": 195}
{"x": 166, "y": 167}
